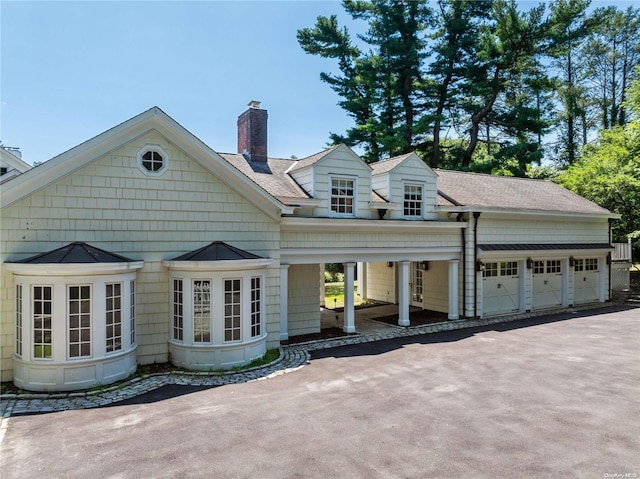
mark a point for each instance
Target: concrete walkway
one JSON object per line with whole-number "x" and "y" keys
{"x": 291, "y": 358}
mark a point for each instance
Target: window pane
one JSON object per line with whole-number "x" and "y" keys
{"x": 113, "y": 305}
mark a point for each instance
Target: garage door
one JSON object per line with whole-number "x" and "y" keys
{"x": 586, "y": 280}
{"x": 500, "y": 288}
{"x": 547, "y": 283}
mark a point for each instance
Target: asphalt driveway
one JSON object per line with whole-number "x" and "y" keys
{"x": 551, "y": 397}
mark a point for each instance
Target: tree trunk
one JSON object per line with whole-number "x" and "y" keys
{"x": 478, "y": 117}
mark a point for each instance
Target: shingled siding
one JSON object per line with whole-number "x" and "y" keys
{"x": 542, "y": 229}
{"x": 304, "y": 303}
{"x": 381, "y": 282}
{"x": 113, "y": 205}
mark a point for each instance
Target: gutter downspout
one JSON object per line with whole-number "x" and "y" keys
{"x": 611, "y": 220}
{"x": 476, "y": 216}
{"x": 464, "y": 265}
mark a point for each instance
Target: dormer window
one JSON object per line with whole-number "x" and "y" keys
{"x": 342, "y": 196}
{"x": 412, "y": 206}
{"x": 153, "y": 160}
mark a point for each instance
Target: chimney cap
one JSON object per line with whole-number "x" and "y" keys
{"x": 254, "y": 104}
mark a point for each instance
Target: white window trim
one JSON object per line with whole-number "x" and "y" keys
{"x": 242, "y": 309}
{"x": 354, "y": 208}
{"x": 91, "y": 321}
{"x": 161, "y": 151}
{"x": 423, "y": 188}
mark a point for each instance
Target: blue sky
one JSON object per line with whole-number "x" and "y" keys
{"x": 71, "y": 70}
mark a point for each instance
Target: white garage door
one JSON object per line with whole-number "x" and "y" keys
{"x": 500, "y": 288}
{"x": 547, "y": 283}
{"x": 586, "y": 281}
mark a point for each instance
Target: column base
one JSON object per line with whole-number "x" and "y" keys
{"x": 403, "y": 322}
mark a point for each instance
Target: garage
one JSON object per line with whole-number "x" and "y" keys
{"x": 500, "y": 287}
{"x": 586, "y": 280}
{"x": 547, "y": 283}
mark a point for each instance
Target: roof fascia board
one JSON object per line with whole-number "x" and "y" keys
{"x": 14, "y": 162}
{"x": 72, "y": 269}
{"x": 222, "y": 265}
{"x": 525, "y": 212}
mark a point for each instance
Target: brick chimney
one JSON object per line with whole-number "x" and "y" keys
{"x": 252, "y": 133}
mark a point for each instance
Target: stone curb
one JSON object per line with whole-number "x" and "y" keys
{"x": 291, "y": 358}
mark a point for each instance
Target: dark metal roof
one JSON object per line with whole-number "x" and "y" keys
{"x": 542, "y": 247}
{"x": 77, "y": 252}
{"x": 217, "y": 251}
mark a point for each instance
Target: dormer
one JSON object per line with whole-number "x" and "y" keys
{"x": 338, "y": 179}
{"x": 408, "y": 185}
{"x": 11, "y": 163}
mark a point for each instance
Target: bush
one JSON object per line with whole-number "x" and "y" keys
{"x": 333, "y": 277}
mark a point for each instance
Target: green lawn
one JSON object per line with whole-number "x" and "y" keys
{"x": 334, "y": 295}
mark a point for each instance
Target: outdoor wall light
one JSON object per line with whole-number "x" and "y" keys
{"x": 529, "y": 263}
{"x": 479, "y": 266}
{"x": 572, "y": 261}
{"x": 425, "y": 266}
{"x": 390, "y": 264}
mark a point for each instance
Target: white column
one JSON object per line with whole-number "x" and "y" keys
{"x": 565, "y": 282}
{"x": 362, "y": 281}
{"x": 403, "y": 293}
{"x": 322, "y": 288}
{"x": 602, "y": 290}
{"x": 349, "y": 311}
{"x": 284, "y": 302}
{"x": 522, "y": 299}
{"x": 453, "y": 289}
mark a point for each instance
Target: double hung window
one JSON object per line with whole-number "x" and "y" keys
{"x": 342, "y": 196}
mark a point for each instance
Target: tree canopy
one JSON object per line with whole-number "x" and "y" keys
{"x": 478, "y": 84}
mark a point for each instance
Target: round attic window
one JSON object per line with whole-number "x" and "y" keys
{"x": 153, "y": 160}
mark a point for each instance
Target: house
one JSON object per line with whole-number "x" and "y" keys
{"x": 144, "y": 245}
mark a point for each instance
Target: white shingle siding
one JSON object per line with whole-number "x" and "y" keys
{"x": 381, "y": 282}
{"x": 541, "y": 229}
{"x": 304, "y": 178}
{"x": 304, "y": 304}
{"x": 112, "y": 205}
{"x": 436, "y": 286}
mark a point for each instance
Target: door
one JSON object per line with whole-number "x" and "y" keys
{"x": 586, "y": 280}
{"x": 417, "y": 284}
{"x": 547, "y": 283}
{"x": 500, "y": 288}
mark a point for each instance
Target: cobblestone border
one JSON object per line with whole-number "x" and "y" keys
{"x": 292, "y": 357}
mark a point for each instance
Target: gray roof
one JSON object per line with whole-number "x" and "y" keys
{"x": 455, "y": 188}
{"x": 473, "y": 189}
{"x": 384, "y": 166}
{"x": 310, "y": 160}
{"x": 74, "y": 253}
{"x": 216, "y": 251}
{"x": 275, "y": 181}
